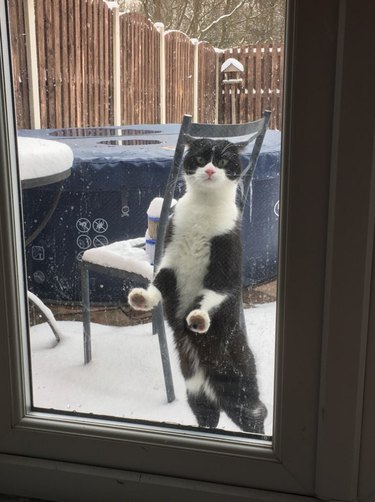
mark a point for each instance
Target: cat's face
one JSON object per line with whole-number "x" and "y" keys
{"x": 211, "y": 163}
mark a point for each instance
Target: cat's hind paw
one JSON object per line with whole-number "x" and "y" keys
{"x": 198, "y": 321}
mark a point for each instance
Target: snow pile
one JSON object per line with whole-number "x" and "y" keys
{"x": 153, "y": 215}
{"x": 154, "y": 209}
{"x": 129, "y": 255}
{"x": 41, "y": 157}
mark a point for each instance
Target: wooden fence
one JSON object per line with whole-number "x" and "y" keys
{"x": 140, "y": 70}
{"x": 77, "y": 63}
{"x": 261, "y": 87}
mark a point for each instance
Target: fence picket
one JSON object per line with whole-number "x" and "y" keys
{"x": 206, "y": 83}
{"x": 19, "y": 58}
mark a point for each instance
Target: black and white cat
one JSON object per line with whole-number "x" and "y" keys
{"x": 199, "y": 280}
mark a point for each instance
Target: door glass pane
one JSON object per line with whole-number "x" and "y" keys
{"x": 100, "y": 91}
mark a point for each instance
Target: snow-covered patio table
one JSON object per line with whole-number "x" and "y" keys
{"x": 43, "y": 162}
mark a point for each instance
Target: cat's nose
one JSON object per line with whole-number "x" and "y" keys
{"x": 210, "y": 170}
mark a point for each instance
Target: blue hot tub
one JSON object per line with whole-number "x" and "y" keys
{"x": 115, "y": 175}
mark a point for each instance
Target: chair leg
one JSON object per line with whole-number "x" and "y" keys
{"x": 158, "y": 322}
{"x": 154, "y": 325}
{"x": 86, "y": 313}
{"x": 242, "y": 318}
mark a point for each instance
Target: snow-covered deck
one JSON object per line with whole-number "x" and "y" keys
{"x": 124, "y": 378}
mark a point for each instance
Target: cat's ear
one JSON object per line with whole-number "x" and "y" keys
{"x": 189, "y": 140}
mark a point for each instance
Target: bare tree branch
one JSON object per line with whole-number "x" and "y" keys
{"x": 223, "y": 23}
{"x": 224, "y": 16}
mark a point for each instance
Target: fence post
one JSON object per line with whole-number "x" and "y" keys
{"x": 116, "y": 68}
{"x": 32, "y": 64}
{"x": 195, "y": 42}
{"x": 162, "y": 83}
{"x": 217, "y": 86}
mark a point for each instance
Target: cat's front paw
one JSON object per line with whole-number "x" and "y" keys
{"x": 198, "y": 321}
{"x": 144, "y": 299}
{"x": 138, "y": 299}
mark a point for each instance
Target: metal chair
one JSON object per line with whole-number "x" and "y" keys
{"x": 242, "y": 134}
{"x": 123, "y": 266}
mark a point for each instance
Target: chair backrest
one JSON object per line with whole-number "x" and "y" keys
{"x": 174, "y": 174}
{"x": 238, "y": 133}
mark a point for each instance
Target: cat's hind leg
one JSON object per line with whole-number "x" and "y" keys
{"x": 248, "y": 415}
{"x": 144, "y": 299}
{"x": 206, "y": 410}
{"x": 249, "y": 418}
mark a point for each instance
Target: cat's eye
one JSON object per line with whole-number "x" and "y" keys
{"x": 222, "y": 163}
{"x": 200, "y": 161}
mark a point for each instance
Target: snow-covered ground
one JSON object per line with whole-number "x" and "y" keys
{"x": 124, "y": 378}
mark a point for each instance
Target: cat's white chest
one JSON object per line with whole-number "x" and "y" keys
{"x": 188, "y": 253}
{"x": 189, "y": 256}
